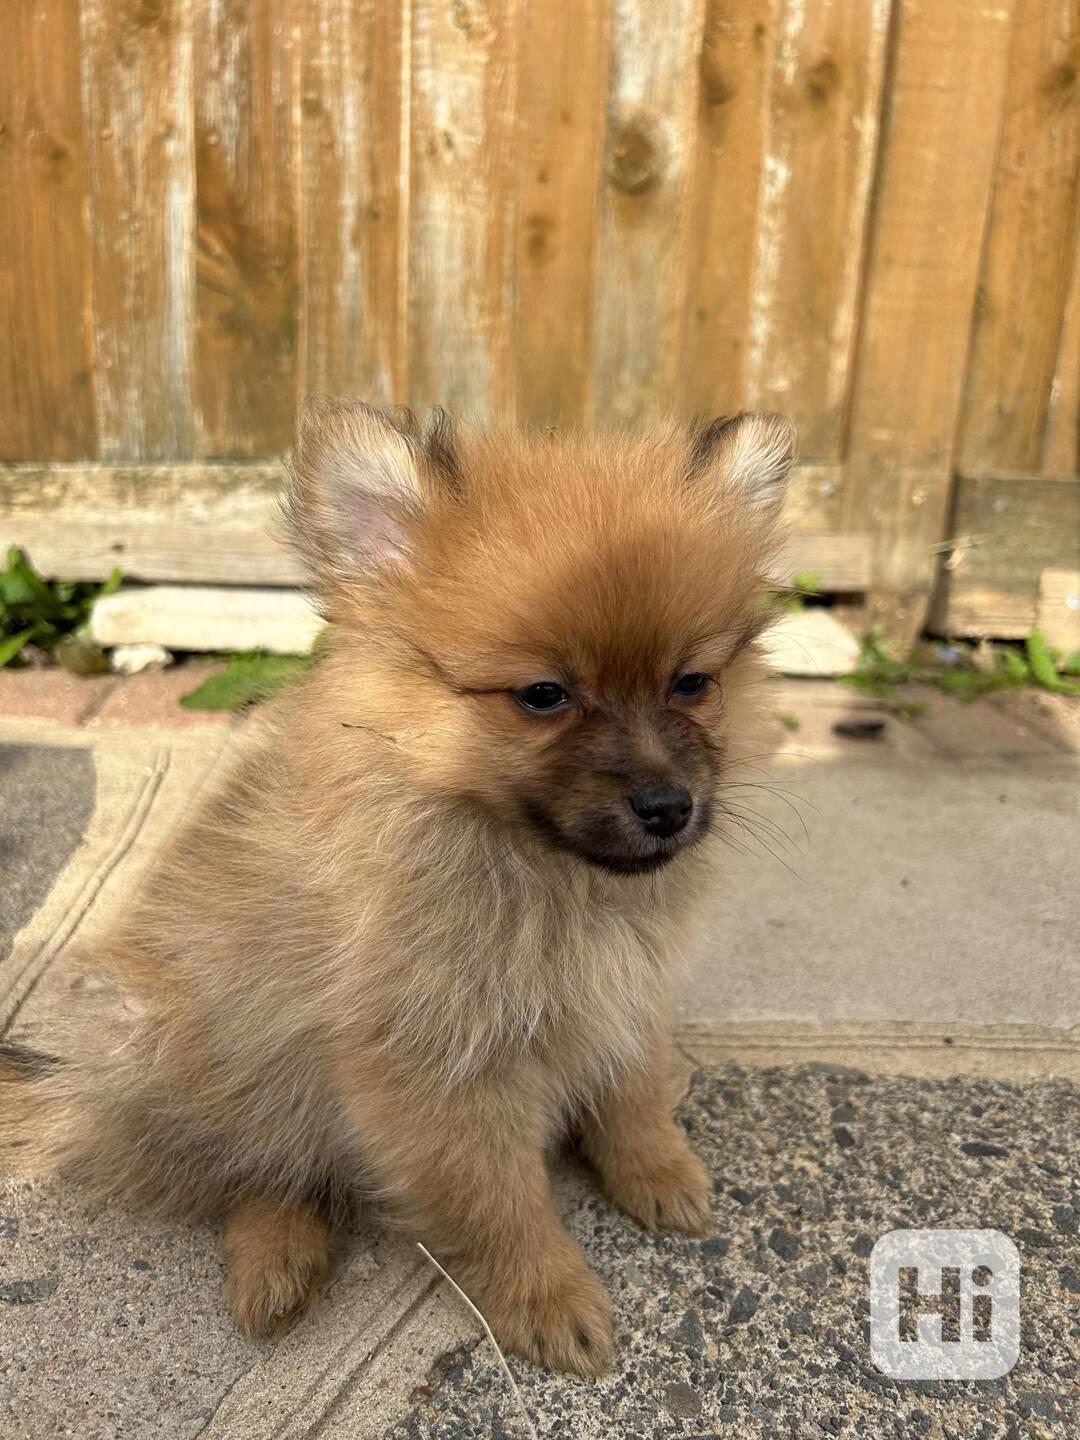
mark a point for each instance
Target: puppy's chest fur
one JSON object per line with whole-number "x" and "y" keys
{"x": 559, "y": 968}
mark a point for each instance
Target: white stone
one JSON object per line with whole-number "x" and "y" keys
{"x": 197, "y": 617}
{"x": 811, "y": 642}
{"x": 133, "y": 659}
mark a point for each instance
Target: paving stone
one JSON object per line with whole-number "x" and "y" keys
{"x": 982, "y": 727}
{"x": 205, "y": 618}
{"x": 811, "y": 642}
{"x": 154, "y": 700}
{"x": 51, "y": 694}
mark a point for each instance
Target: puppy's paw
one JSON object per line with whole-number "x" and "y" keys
{"x": 562, "y": 1321}
{"x": 277, "y": 1262}
{"x": 665, "y": 1188}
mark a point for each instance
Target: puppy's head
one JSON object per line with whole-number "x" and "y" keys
{"x": 557, "y": 628}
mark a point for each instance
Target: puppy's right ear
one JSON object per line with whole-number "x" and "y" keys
{"x": 355, "y": 484}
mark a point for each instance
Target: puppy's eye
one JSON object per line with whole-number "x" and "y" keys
{"x": 691, "y": 685}
{"x": 543, "y": 697}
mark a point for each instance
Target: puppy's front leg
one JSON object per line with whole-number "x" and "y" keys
{"x": 641, "y": 1154}
{"x": 468, "y": 1175}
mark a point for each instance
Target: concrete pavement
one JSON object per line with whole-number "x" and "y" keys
{"x": 883, "y": 1030}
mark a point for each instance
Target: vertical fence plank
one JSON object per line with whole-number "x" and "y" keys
{"x": 1061, "y": 453}
{"x": 136, "y": 78}
{"x": 1030, "y": 244}
{"x": 562, "y": 88}
{"x": 245, "y": 263}
{"x": 735, "y": 61}
{"x": 464, "y": 184}
{"x": 933, "y": 192}
{"x": 822, "y": 137}
{"x": 46, "y": 395}
{"x": 643, "y": 271}
{"x": 354, "y": 117}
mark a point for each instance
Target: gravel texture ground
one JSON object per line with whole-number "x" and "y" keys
{"x": 762, "y": 1329}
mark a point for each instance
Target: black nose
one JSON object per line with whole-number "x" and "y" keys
{"x": 663, "y": 809}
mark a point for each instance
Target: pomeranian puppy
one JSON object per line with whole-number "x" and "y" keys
{"x": 429, "y": 923}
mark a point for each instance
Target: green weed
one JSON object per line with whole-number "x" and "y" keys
{"x": 49, "y": 614}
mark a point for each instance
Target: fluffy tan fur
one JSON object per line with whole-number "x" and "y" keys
{"x": 392, "y": 956}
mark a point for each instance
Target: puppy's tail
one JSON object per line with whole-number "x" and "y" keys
{"x": 25, "y": 1108}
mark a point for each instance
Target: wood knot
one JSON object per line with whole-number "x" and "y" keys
{"x": 1061, "y": 79}
{"x": 634, "y": 162}
{"x": 53, "y": 155}
{"x": 148, "y": 12}
{"x": 538, "y": 232}
{"x": 718, "y": 86}
{"x": 822, "y": 80}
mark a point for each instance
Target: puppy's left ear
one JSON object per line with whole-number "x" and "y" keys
{"x": 749, "y": 455}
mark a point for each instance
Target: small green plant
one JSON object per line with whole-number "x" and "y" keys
{"x": 910, "y": 709}
{"x": 805, "y": 584}
{"x": 953, "y": 670}
{"x": 49, "y": 614}
{"x": 789, "y": 722}
{"x": 246, "y": 680}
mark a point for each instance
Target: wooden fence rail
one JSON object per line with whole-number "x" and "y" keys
{"x": 864, "y": 212}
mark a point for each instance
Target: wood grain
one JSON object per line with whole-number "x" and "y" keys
{"x": 1008, "y": 529}
{"x": 462, "y": 205}
{"x": 354, "y": 119}
{"x": 207, "y": 523}
{"x": 1031, "y": 244}
{"x": 560, "y": 136}
{"x": 820, "y": 146}
{"x": 1057, "y": 612}
{"x": 220, "y": 524}
{"x": 734, "y": 66}
{"x": 642, "y": 278}
{"x": 137, "y": 79}
{"x": 246, "y": 250}
{"x": 46, "y": 389}
{"x": 931, "y": 204}
{"x": 1061, "y": 451}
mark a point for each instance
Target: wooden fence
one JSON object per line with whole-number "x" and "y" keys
{"x": 860, "y": 211}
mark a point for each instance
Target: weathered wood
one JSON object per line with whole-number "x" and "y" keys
{"x": 156, "y": 522}
{"x": 354, "y": 117}
{"x": 814, "y": 500}
{"x": 560, "y": 120}
{"x": 1061, "y": 452}
{"x": 832, "y": 563}
{"x": 932, "y": 193}
{"x": 1031, "y": 244}
{"x": 46, "y": 384}
{"x": 642, "y": 277}
{"x": 462, "y": 202}
{"x": 821, "y": 143}
{"x": 1007, "y": 530}
{"x": 1057, "y": 611}
{"x": 734, "y": 65}
{"x": 220, "y": 523}
{"x": 246, "y": 250}
{"x": 137, "y": 78}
